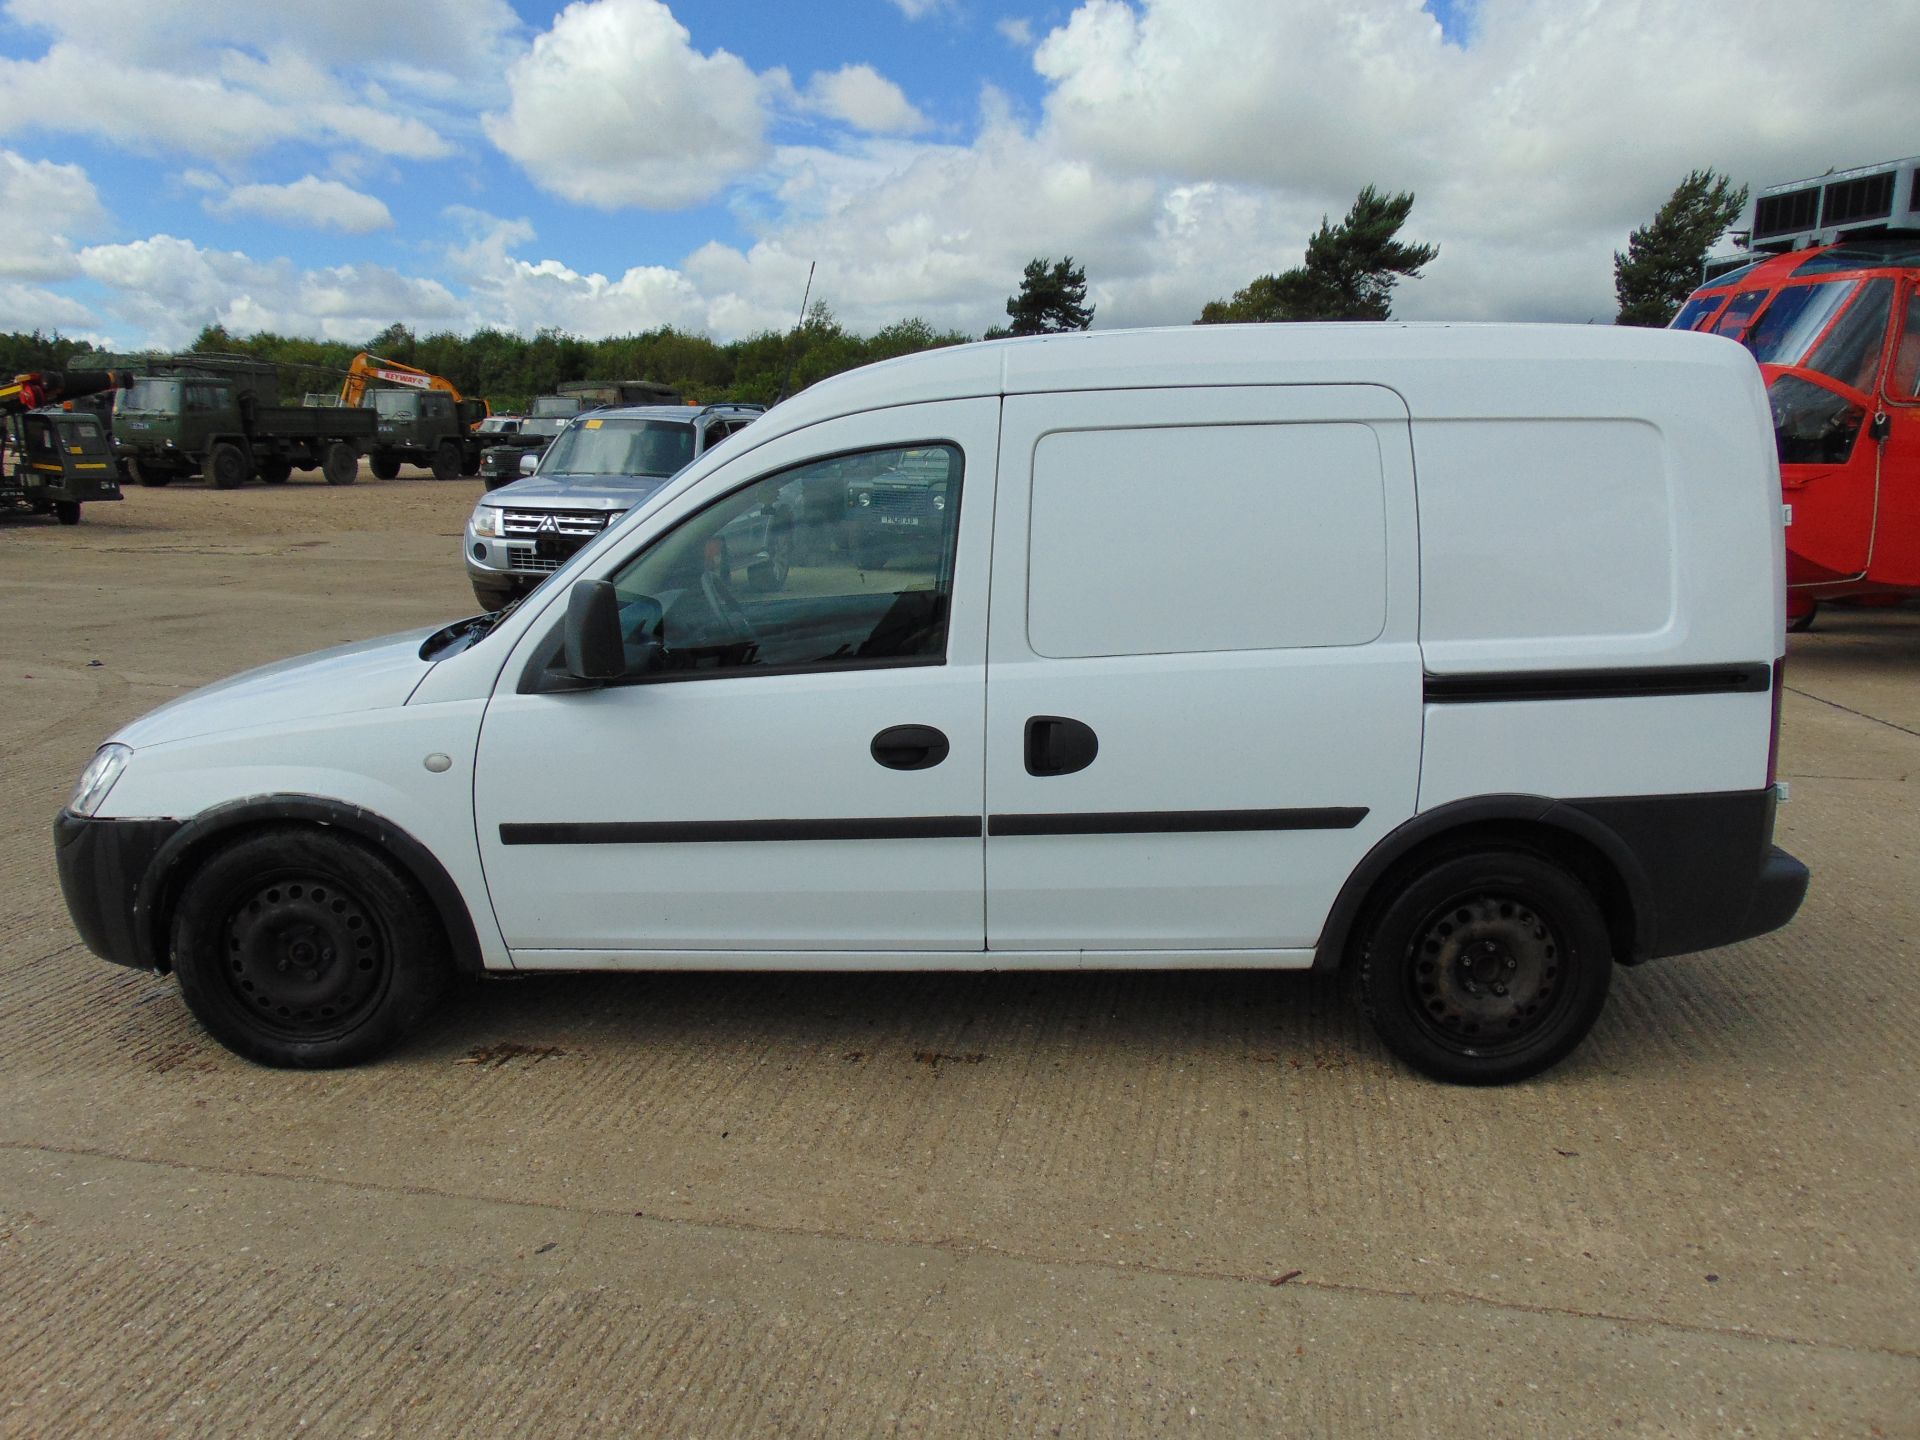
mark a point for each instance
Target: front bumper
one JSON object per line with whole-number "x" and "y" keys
{"x": 103, "y": 873}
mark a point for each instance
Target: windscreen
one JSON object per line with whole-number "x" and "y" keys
{"x": 621, "y": 447}
{"x": 555, "y": 405}
{"x": 1795, "y": 319}
{"x": 396, "y": 402}
{"x": 160, "y": 396}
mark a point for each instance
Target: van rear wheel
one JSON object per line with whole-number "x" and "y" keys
{"x": 1486, "y": 968}
{"x": 301, "y": 949}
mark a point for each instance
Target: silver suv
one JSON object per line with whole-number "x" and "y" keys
{"x": 603, "y": 464}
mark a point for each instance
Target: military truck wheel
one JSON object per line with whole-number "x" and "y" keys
{"x": 227, "y": 466}
{"x": 153, "y": 479}
{"x": 470, "y": 463}
{"x": 341, "y": 465}
{"x": 446, "y": 460}
{"x": 383, "y": 465}
{"x": 67, "y": 512}
{"x": 275, "y": 469}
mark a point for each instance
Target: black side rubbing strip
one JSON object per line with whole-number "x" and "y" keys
{"x": 1754, "y": 679}
{"x": 683, "y": 832}
{"x": 1177, "y": 822}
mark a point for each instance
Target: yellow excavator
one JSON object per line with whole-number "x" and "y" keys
{"x": 423, "y": 418}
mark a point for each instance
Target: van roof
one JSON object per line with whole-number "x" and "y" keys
{"x": 1437, "y": 368}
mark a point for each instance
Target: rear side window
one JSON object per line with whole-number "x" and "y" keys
{"x": 1206, "y": 538}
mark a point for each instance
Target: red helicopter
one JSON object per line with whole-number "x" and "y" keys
{"x": 1833, "y": 317}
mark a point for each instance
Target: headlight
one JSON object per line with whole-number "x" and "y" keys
{"x": 865, "y": 497}
{"x": 97, "y": 779}
{"x": 939, "y": 502}
{"x": 486, "y": 521}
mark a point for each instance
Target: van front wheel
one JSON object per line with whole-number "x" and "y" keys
{"x": 302, "y": 949}
{"x": 1487, "y": 968}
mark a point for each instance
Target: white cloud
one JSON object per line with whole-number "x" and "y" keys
{"x": 166, "y": 289}
{"x": 29, "y": 307}
{"x": 1015, "y": 31}
{"x": 613, "y": 106}
{"x": 864, "y": 98}
{"x": 920, "y": 9}
{"x": 46, "y": 206}
{"x": 226, "y": 79}
{"x": 308, "y": 201}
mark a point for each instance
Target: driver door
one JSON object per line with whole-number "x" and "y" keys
{"x": 795, "y": 761}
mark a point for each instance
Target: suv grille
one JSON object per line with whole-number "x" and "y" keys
{"x": 525, "y": 524}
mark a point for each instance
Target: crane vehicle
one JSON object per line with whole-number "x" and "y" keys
{"x": 423, "y": 418}
{"x": 62, "y": 456}
{"x": 1830, "y": 307}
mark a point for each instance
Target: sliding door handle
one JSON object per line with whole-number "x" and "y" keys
{"x": 1059, "y": 746}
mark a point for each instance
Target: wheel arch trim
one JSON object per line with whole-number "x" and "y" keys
{"x": 159, "y": 888}
{"x": 1536, "y": 812}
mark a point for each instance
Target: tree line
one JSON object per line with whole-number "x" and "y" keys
{"x": 1349, "y": 272}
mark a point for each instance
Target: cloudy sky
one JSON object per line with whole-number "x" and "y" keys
{"x": 613, "y": 165}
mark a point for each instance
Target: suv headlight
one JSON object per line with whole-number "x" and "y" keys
{"x": 97, "y": 779}
{"x": 486, "y": 521}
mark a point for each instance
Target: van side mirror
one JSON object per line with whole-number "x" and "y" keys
{"x": 593, "y": 649}
{"x": 529, "y": 463}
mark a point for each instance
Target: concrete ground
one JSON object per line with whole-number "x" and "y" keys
{"x": 1053, "y": 1205}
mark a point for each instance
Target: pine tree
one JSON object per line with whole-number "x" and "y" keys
{"x": 1662, "y": 263}
{"x": 1052, "y": 298}
{"x": 1349, "y": 274}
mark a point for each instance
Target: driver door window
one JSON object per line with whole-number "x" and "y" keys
{"x": 845, "y": 562}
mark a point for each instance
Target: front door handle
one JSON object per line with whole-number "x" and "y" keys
{"x": 1059, "y": 746}
{"x": 910, "y": 747}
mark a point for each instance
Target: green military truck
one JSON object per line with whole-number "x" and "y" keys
{"x": 425, "y": 427}
{"x": 221, "y": 416}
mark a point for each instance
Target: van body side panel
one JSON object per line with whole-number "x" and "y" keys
{"x": 1219, "y": 585}
{"x": 1644, "y": 745}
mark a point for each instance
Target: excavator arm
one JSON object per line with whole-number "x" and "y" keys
{"x": 365, "y": 368}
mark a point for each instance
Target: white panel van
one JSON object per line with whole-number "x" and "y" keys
{"x": 1449, "y": 655}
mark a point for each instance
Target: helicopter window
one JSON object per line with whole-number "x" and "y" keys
{"x": 1795, "y": 319}
{"x": 1696, "y": 312}
{"x": 1733, "y": 320}
{"x": 1903, "y": 380}
{"x": 1851, "y": 351}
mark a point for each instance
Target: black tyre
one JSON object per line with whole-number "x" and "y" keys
{"x": 67, "y": 512}
{"x": 1486, "y": 968}
{"x": 1800, "y": 624}
{"x": 383, "y": 465}
{"x": 227, "y": 466}
{"x": 303, "y": 949}
{"x": 145, "y": 472}
{"x": 771, "y": 573}
{"x": 275, "y": 469}
{"x": 469, "y": 463}
{"x": 446, "y": 460}
{"x": 341, "y": 464}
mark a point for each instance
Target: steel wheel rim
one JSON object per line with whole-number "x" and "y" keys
{"x": 1488, "y": 972}
{"x": 303, "y": 957}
